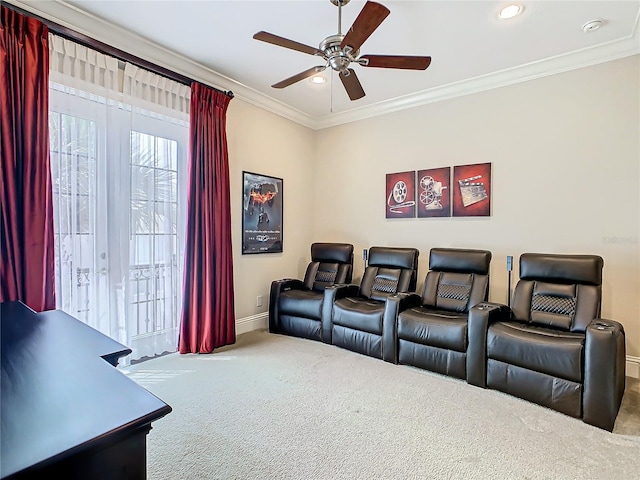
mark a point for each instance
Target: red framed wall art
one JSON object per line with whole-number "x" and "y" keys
{"x": 401, "y": 195}
{"x": 434, "y": 192}
{"x": 472, "y": 190}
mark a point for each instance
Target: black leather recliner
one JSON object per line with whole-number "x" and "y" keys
{"x": 551, "y": 347}
{"x": 432, "y": 329}
{"x": 295, "y": 306}
{"x": 360, "y": 318}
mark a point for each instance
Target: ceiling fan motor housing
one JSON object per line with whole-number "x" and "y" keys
{"x": 338, "y": 58}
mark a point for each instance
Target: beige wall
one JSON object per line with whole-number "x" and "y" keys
{"x": 565, "y": 155}
{"x": 262, "y": 142}
{"x": 565, "y": 151}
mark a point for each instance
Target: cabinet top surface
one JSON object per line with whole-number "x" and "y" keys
{"x": 58, "y": 394}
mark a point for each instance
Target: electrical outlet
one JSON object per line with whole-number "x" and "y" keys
{"x": 259, "y": 301}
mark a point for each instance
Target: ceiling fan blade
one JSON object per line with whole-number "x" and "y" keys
{"x": 285, "y": 42}
{"x": 396, "y": 61}
{"x": 352, "y": 84}
{"x": 369, "y": 18}
{"x": 300, "y": 76}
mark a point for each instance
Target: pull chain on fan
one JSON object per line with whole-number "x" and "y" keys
{"x": 340, "y": 51}
{"x": 331, "y": 92}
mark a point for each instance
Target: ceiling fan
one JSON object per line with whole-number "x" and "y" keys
{"x": 339, "y": 51}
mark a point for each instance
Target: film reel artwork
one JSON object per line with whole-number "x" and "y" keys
{"x": 400, "y": 198}
{"x": 399, "y": 194}
{"x": 472, "y": 192}
{"x": 397, "y": 200}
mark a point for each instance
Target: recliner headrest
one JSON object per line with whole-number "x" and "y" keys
{"x": 460, "y": 260}
{"x": 332, "y": 252}
{"x": 394, "y": 257}
{"x": 559, "y": 268}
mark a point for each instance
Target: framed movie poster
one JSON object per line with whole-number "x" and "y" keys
{"x": 472, "y": 190}
{"x": 401, "y": 195}
{"x": 261, "y": 213}
{"x": 434, "y": 192}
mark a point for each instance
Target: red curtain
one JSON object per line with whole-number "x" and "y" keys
{"x": 208, "y": 318}
{"x": 27, "y": 258}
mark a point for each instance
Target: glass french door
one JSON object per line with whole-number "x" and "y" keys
{"x": 155, "y": 261}
{"x": 117, "y": 176}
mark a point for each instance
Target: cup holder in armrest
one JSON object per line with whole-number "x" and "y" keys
{"x": 484, "y": 306}
{"x": 599, "y": 325}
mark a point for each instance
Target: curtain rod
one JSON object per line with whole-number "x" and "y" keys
{"x": 110, "y": 50}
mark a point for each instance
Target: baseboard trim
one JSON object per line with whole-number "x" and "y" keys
{"x": 252, "y": 322}
{"x": 633, "y": 366}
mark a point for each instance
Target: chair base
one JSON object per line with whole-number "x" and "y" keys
{"x": 558, "y": 394}
{"x": 438, "y": 360}
{"x": 357, "y": 341}
{"x": 299, "y": 327}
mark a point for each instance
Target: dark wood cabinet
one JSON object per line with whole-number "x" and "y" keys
{"x": 66, "y": 412}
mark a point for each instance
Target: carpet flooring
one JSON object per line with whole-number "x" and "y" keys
{"x": 277, "y": 407}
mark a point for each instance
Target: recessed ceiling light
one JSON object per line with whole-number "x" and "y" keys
{"x": 318, "y": 79}
{"x": 510, "y": 11}
{"x": 592, "y": 25}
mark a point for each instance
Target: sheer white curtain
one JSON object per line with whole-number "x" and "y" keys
{"x": 118, "y": 140}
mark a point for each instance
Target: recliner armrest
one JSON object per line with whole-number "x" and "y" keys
{"x": 406, "y": 300}
{"x": 289, "y": 284}
{"x": 277, "y": 287}
{"x": 342, "y": 290}
{"x": 394, "y": 304}
{"x": 604, "y": 372}
{"x": 331, "y": 294}
{"x": 481, "y": 316}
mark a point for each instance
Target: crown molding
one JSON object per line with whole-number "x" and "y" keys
{"x": 69, "y": 16}
{"x": 586, "y": 57}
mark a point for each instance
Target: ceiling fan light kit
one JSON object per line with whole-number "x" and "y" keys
{"x": 340, "y": 51}
{"x": 318, "y": 79}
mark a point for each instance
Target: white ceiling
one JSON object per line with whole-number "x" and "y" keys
{"x": 471, "y": 49}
